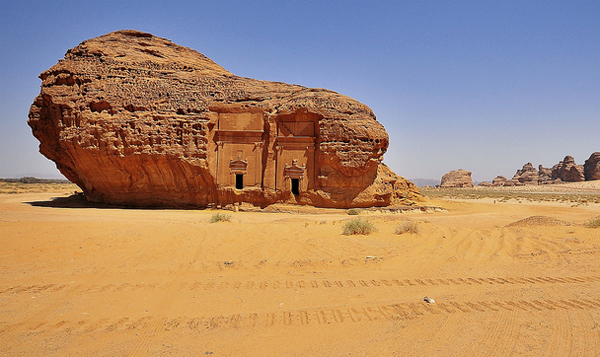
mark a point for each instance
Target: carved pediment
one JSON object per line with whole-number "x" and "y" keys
{"x": 294, "y": 171}
{"x": 238, "y": 165}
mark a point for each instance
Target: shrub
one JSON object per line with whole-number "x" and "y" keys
{"x": 353, "y": 212}
{"x": 220, "y": 217}
{"x": 408, "y": 227}
{"x": 359, "y": 226}
{"x": 593, "y": 223}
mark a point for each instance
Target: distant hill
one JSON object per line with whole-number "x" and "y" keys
{"x": 421, "y": 182}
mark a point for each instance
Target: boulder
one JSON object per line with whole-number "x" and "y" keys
{"x": 591, "y": 168}
{"x": 138, "y": 120}
{"x": 457, "y": 178}
{"x": 568, "y": 171}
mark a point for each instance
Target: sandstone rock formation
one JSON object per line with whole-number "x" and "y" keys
{"x": 568, "y": 171}
{"x": 591, "y": 167}
{"x": 499, "y": 181}
{"x": 528, "y": 175}
{"x": 513, "y": 182}
{"x": 565, "y": 171}
{"x": 457, "y": 178}
{"x": 545, "y": 175}
{"x": 137, "y": 120}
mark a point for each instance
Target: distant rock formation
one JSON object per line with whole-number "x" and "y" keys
{"x": 137, "y": 120}
{"x": 565, "y": 171}
{"x": 499, "y": 181}
{"x": 457, "y": 178}
{"x": 528, "y": 175}
{"x": 545, "y": 175}
{"x": 568, "y": 171}
{"x": 591, "y": 168}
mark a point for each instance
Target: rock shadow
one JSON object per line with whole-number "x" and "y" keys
{"x": 78, "y": 201}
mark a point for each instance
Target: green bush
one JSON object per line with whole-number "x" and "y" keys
{"x": 359, "y": 226}
{"x": 593, "y": 223}
{"x": 220, "y": 217}
{"x": 353, "y": 212}
{"x": 408, "y": 227}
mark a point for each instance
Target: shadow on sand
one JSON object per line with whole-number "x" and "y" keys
{"x": 78, "y": 201}
{"x": 74, "y": 201}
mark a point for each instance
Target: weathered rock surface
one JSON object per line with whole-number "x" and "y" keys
{"x": 457, "y": 178}
{"x": 528, "y": 175}
{"x": 135, "y": 119}
{"x": 591, "y": 167}
{"x": 568, "y": 171}
{"x": 499, "y": 180}
{"x": 545, "y": 175}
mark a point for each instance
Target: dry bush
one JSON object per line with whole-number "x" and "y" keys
{"x": 220, "y": 217}
{"x": 408, "y": 227}
{"x": 353, "y": 212}
{"x": 593, "y": 223}
{"x": 359, "y": 226}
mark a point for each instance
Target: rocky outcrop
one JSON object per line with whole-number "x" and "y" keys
{"x": 565, "y": 171}
{"x": 499, "y": 181}
{"x": 568, "y": 171}
{"x": 457, "y": 179}
{"x": 137, "y": 120}
{"x": 528, "y": 175}
{"x": 591, "y": 168}
{"x": 545, "y": 175}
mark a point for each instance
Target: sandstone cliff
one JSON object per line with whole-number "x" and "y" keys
{"x": 135, "y": 119}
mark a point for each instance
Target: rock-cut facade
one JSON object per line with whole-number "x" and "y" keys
{"x": 137, "y": 120}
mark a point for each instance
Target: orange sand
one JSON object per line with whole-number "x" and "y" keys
{"x": 120, "y": 282}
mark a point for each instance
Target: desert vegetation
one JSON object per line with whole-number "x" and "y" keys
{"x": 547, "y": 193}
{"x": 408, "y": 227}
{"x": 593, "y": 223}
{"x": 220, "y": 217}
{"x": 359, "y": 226}
{"x": 35, "y": 185}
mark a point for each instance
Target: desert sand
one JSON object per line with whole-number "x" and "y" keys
{"x": 508, "y": 279}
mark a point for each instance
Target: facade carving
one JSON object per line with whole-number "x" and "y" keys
{"x": 244, "y": 148}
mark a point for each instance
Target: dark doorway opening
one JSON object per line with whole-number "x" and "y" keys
{"x": 239, "y": 181}
{"x": 296, "y": 186}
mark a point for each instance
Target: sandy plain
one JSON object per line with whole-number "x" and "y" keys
{"x": 515, "y": 277}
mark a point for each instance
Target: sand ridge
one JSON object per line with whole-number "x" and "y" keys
{"x": 112, "y": 281}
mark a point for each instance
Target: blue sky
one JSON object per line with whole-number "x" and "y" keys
{"x": 484, "y": 86}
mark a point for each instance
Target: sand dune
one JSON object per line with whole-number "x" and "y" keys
{"x": 509, "y": 279}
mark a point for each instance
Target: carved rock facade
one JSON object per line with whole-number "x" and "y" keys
{"x": 137, "y": 120}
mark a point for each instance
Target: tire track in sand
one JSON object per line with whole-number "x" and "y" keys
{"x": 378, "y": 313}
{"x": 301, "y": 284}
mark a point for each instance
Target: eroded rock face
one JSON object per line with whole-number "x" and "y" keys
{"x": 568, "y": 171}
{"x": 499, "y": 180}
{"x": 457, "y": 178}
{"x": 135, "y": 119}
{"x": 591, "y": 167}
{"x": 528, "y": 175}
